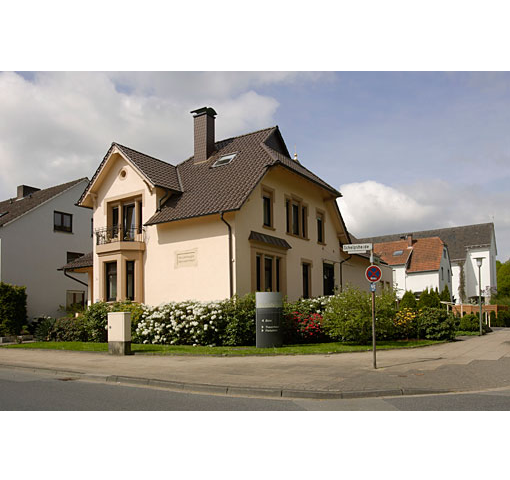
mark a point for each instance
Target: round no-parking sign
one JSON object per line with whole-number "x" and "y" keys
{"x": 373, "y": 273}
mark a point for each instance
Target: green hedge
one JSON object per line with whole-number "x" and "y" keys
{"x": 13, "y": 309}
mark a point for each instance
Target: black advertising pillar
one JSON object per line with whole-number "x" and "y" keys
{"x": 269, "y": 308}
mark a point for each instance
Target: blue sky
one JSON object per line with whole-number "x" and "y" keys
{"x": 409, "y": 151}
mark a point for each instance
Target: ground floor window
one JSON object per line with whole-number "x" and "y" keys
{"x": 75, "y": 298}
{"x": 328, "y": 270}
{"x": 306, "y": 267}
{"x": 111, "y": 281}
{"x": 268, "y": 273}
{"x": 130, "y": 280}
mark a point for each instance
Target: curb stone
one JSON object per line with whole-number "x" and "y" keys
{"x": 231, "y": 390}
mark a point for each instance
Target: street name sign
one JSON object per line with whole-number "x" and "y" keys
{"x": 357, "y": 247}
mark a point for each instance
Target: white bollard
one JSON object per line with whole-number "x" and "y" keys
{"x": 119, "y": 333}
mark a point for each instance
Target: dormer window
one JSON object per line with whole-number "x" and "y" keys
{"x": 224, "y": 160}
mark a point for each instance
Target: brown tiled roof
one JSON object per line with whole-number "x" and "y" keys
{"x": 269, "y": 239}
{"x": 158, "y": 172}
{"x": 427, "y": 253}
{"x": 13, "y": 208}
{"x": 208, "y": 190}
{"x": 458, "y": 239}
{"x": 386, "y": 252}
{"x": 80, "y": 262}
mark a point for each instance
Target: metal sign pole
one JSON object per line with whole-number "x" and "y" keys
{"x": 373, "y": 285}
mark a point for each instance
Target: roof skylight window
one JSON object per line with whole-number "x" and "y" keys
{"x": 397, "y": 253}
{"x": 224, "y": 160}
{"x": 3, "y": 213}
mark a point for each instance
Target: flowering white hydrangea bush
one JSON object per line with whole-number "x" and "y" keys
{"x": 182, "y": 323}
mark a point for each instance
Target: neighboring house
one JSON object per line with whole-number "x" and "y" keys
{"x": 239, "y": 216}
{"x": 465, "y": 244}
{"x": 39, "y": 231}
{"x": 417, "y": 264}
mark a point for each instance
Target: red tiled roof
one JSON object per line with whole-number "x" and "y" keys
{"x": 427, "y": 253}
{"x": 386, "y": 252}
{"x": 424, "y": 255}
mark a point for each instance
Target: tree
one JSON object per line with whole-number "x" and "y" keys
{"x": 408, "y": 300}
{"x": 462, "y": 285}
{"x": 445, "y": 294}
{"x": 503, "y": 276}
{"x": 428, "y": 299}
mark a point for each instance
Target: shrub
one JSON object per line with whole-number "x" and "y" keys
{"x": 436, "y": 324}
{"x": 95, "y": 319}
{"x": 43, "y": 328}
{"x": 13, "y": 309}
{"x": 408, "y": 301}
{"x": 471, "y": 323}
{"x": 504, "y": 317}
{"x": 405, "y": 324}
{"x": 240, "y": 320}
{"x": 182, "y": 323}
{"x": 348, "y": 316}
{"x": 69, "y": 329}
{"x": 303, "y": 328}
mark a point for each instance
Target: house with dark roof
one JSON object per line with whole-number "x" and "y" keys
{"x": 465, "y": 245}
{"x": 417, "y": 264}
{"x": 40, "y": 230}
{"x": 238, "y": 216}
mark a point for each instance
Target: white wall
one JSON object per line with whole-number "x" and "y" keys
{"x": 417, "y": 282}
{"x": 471, "y": 271}
{"x": 456, "y": 282}
{"x": 399, "y": 280}
{"x": 32, "y": 252}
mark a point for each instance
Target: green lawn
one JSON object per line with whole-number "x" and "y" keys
{"x": 318, "y": 348}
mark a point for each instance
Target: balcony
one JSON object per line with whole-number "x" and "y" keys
{"x": 111, "y": 239}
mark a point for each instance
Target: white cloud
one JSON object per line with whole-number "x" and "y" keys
{"x": 371, "y": 208}
{"x": 55, "y": 127}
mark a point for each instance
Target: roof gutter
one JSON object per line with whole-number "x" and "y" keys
{"x": 230, "y": 260}
{"x": 75, "y": 279}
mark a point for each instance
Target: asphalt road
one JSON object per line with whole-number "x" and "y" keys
{"x": 24, "y": 391}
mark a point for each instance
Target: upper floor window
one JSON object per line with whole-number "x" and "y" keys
{"x": 62, "y": 222}
{"x": 320, "y": 227}
{"x": 297, "y": 218}
{"x": 444, "y": 253}
{"x": 267, "y": 207}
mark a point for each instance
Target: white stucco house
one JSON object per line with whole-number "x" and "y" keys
{"x": 465, "y": 244}
{"x": 417, "y": 264}
{"x": 40, "y": 230}
{"x": 238, "y": 216}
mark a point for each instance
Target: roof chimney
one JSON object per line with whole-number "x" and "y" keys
{"x": 203, "y": 133}
{"x": 25, "y": 190}
{"x": 409, "y": 240}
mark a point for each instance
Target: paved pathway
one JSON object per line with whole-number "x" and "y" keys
{"x": 472, "y": 363}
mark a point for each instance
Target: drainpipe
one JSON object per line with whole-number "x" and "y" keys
{"x": 230, "y": 264}
{"x": 341, "y": 277}
{"x": 75, "y": 279}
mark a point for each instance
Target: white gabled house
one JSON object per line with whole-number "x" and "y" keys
{"x": 41, "y": 230}
{"x": 464, "y": 244}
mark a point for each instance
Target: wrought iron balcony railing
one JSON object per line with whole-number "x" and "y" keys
{"x": 106, "y": 235}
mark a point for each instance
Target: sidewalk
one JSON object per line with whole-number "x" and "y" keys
{"x": 473, "y": 363}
